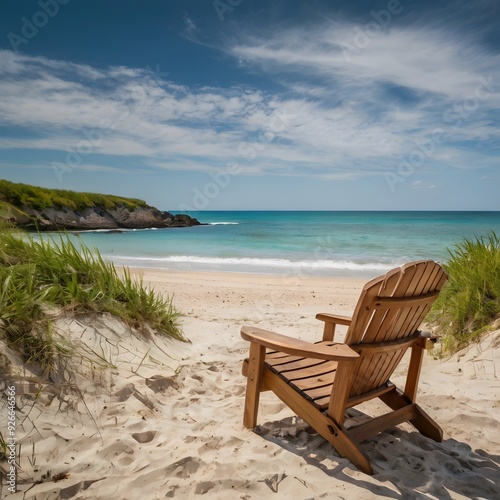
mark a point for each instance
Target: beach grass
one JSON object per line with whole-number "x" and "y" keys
{"x": 39, "y": 276}
{"x": 470, "y": 301}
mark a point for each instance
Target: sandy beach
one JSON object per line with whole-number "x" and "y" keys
{"x": 157, "y": 418}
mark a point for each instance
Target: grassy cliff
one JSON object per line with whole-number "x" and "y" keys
{"x": 21, "y": 195}
{"x": 42, "y": 209}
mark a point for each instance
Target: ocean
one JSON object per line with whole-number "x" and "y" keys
{"x": 358, "y": 244}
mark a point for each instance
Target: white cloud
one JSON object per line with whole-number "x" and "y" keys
{"x": 189, "y": 24}
{"x": 423, "y": 59}
{"x": 336, "y": 118}
{"x": 424, "y": 185}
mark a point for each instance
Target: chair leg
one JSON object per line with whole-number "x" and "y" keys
{"x": 422, "y": 422}
{"x": 427, "y": 426}
{"x": 254, "y": 384}
{"x": 331, "y": 431}
{"x": 345, "y": 446}
{"x": 417, "y": 356}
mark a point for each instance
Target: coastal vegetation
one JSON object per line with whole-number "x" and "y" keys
{"x": 21, "y": 195}
{"x": 470, "y": 302}
{"x": 45, "y": 277}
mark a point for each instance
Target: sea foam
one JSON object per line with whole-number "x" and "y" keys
{"x": 248, "y": 262}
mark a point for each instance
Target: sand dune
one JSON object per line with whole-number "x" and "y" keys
{"x": 161, "y": 419}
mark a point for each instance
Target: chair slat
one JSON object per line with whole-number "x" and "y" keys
{"x": 418, "y": 279}
{"x": 396, "y": 317}
{"x": 400, "y": 302}
{"x": 295, "y": 365}
{"x": 373, "y": 324}
{"x": 314, "y": 382}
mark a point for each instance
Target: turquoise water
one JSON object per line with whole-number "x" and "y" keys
{"x": 297, "y": 243}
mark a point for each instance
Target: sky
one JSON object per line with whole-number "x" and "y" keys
{"x": 255, "y": 105}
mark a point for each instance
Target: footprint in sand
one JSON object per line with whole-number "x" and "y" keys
{"x": 159, "y": 383}
{"x": 114, "y": 450}
{"x": 144, "y": 437}
{"x": 183, "y": 468}
{"x": 124, "y": 393}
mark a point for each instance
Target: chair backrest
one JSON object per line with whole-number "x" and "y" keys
{"x": 390, "y": 309}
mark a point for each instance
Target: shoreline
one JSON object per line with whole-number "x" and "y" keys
{"x": 239, "y": 276}
{"x": 277, "y": 273}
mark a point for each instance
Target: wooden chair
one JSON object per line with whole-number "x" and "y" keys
{"x": 320, "y": 381}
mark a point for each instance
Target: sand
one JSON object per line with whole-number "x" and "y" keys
{"x": 155, "y": 418}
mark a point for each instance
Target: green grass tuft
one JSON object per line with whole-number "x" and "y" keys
{"x": 470, "y": 301}
{"x": 36, "y": 276}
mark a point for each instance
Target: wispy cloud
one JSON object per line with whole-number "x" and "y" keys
{"x": 424, "y": 185}
{"x": 189, "y": 24}
{"x": 337, "y": 117}
{"x": 388, "y": 97}
{"x": 85, "y": 168}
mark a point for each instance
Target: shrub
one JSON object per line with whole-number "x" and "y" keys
{"x": 470, "y": 301}
{"x": 59, "y": 201}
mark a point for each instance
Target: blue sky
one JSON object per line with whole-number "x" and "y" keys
{"x": 241, "y": 104}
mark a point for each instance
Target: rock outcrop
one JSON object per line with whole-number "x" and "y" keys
{"x": 121, "y": 217}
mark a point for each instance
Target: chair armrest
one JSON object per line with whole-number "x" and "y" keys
{"x": 334, "y": 318}
{"x": 331, "y": 321}
{"x": 427, "y": 340}
{"x": 297, "y": 347}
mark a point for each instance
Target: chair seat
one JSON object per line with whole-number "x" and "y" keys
{"x": 312, "y": 378}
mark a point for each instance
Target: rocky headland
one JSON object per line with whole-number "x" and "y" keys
{"x": 92, "y": 218}
{"x": 35, "y": 208}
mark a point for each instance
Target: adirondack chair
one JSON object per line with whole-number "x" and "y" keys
{"x": 320, "y": 381}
